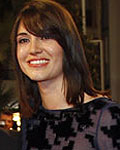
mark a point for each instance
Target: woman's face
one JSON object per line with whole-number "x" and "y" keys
{"x": 40, "y": 59}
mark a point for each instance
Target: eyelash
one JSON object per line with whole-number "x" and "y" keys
{"x": 24, "y": 40}
{"x": 44, "y": 37}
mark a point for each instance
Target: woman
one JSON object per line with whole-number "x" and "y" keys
{"x": 60, "y": 108}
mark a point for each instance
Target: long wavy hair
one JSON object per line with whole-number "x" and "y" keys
{"x": 47, "y": 18}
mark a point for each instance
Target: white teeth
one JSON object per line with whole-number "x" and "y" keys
{"x": 38, "y": 61}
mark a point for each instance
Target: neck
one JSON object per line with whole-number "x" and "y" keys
{"x": 53, "y": 95}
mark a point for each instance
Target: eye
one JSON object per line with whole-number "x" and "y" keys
{"x": 45, "y": 37}
{"x": 22, "y": 40}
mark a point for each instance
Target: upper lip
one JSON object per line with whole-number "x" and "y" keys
{"x": 37, "y": 59}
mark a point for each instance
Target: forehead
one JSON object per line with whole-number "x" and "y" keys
{"x": 21, "y": 27}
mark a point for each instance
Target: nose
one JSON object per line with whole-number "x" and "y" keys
{"x": 36, "y": 46}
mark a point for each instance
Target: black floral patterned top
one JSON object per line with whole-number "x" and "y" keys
{"x": 96, "y": 128}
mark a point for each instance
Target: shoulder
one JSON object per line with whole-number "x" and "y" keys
{"x": 106, "y": 106}
{"x": 108, "y": 127}
{"x": 109, "y": 113}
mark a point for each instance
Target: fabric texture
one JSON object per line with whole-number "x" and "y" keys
{"x": 95, "y": 128}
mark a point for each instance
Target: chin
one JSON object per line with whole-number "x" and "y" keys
{"x": 37, "y": 79}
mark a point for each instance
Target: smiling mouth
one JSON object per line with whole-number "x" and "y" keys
{"x": 37, "y": 62}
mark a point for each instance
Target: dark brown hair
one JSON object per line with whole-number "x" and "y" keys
{"x": 46, "y": 18}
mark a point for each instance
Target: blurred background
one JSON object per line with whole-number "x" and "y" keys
{"x": 98, "y": 22}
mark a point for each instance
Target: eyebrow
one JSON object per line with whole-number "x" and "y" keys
{"x": 22, "y": 33}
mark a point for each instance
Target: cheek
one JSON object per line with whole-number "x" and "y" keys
{"x": 21, "y": 54}
{"x": 18, "y": 57}
{"x": 59, "y": 55}
{"x": 59, "y": 59}
{"x": 57, "y": 51}
{"x": 21, "y": 59}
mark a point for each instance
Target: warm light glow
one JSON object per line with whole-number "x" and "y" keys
{"x": 18, "y": 123}
{"x": 18, "y": 129}
{"x": 16, "y": 116}
{"x": 17, "y": 119}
